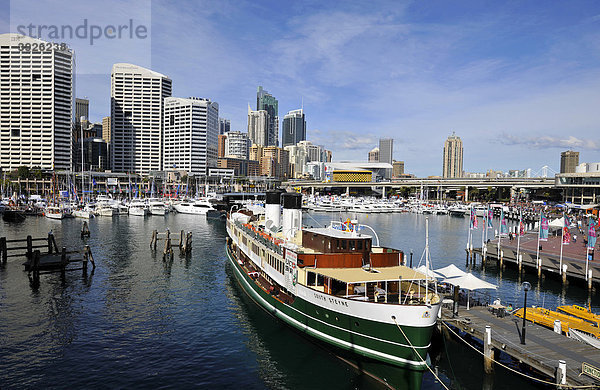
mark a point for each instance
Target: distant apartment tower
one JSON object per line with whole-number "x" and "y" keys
{"x": 82, "y": 109}
{"x": 303, "y": 153}
{"x": 267, "y": 102}
{"x": 191, "y": 134}
{"x": 294, "y": 128}
{"x": 106, "y": 129}
{"x": 569, "y": 161}
{"x": 386, "y": 150}
{"x": 224, "y": 125}
{"x": 374, "y": 155}
{"x": 453, "y": 157}
{"x": 397, "y": 168}
{"x": 221, "y": 145}
{"x": 258, "y": 127}
{"x": 237, "y": 145}
{"x": 136, "y": 112}
{"x": 36, "y": 104}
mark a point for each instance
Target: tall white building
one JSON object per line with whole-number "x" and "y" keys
{"x": 191, "y": 134}
{"x": 36, "y": 104}
{"x": 303, "y": 153}
{"x": 136, "y": 111}
{"x": 258, "y": 127}
{"x": 453, "y": 157}
{"x": 237, "y": 144}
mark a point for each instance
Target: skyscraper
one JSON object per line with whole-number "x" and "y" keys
{"x": 106, "y": 133}
{"x": 237, "y": 145}
{"x": 386, "y": 150}
{"x": 258, "y": 127}
{"x": 191, "y": 134}
{"x": 453, "y": 157}
{"x": 82, "y": 109}
{"x": 569, "y": 161}
{"x": 35, "y": 105}
{"x": 374, "y": 155}
{"x": 136, "y": 111}
{"x": 266, "y": 101}
{"x": 294, "y": 128}
{"x": 224, "y": 125}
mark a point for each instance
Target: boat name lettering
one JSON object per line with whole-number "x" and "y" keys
{"x": 590, "y": 370}
{"x": 331, "y": 300}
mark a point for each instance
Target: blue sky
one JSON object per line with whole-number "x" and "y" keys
{"x": 519, "y": 82}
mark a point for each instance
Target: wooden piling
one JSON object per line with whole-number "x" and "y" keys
{"x": 564, "y": 273}
{"x": 3, "y": 249}
{"x": 88, "y": 251}
{"x": 50, "y": 242}
{"x": 63, "y": 261}
{"x": 181, "y": 244}
{"x": 154, "y": 240}
{"x": 36, "y": 267}
{"x": 488, "y": 351}
{"x": 29, "y": 247}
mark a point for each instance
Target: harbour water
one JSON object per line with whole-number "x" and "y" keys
{"x": 138, "y": 322}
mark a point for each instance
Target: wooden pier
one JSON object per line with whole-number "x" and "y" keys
{"x": 185, "y": 243}
{"x": 552, "y": 354}
{"x": 573, "y": 265}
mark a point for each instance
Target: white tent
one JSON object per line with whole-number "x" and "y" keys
{"x": 433, "y": 274}
{"x": 450, "y": 271}
{"x": 469, "y": 282}
{"x": 556, "y": 224}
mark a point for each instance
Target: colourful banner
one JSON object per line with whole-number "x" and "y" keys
{"x": 591, "y": 234}
{"x": 567, "y": 220}
{"x": 566, "y": 236}
{"x": 503, "y": 227}
{"x": 521, "y": 228}
{"x": 543, "y": 227}
{"x": 473, "y": 221}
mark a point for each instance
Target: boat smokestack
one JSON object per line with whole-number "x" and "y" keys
{"x": 292, "y": 214}
{"x": 273, "y": 209}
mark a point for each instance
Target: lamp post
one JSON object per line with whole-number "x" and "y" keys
{"x": 526, "y": 287}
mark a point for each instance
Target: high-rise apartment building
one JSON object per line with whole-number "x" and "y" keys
{"x": 374, "y": 155}
{"x": 569, "y": 161}
{"x": 453, "y": 157}
{"x": 301, "y": 154}
{"x": 191, "y": 134}
{"x": 224, "y": 125}
{"x": 136, "y": 111}
{"x": 258, "y": 127}
{"x": 267, "y": 102}
{"x": 237, "y": 145}
{"x": 386, "y": 150}
{"x": 82, "y": 109}
{"x": 106, "y": 129}
{"x": 294, "y": 128}
{"x": 221, "y": 145}
{"x": 36, "y": 104}
{"x": 397, "y": 168}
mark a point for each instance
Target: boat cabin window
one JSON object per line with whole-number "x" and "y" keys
{"x": 310, "y": 278}
{"x": 351, "y": 245}
{"x": 359, "y": 244}
{"x": 343, "y": 244}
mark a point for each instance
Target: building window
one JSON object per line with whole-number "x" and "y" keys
{"x": 15, "y": 132}
{"x": 36, "y": 77}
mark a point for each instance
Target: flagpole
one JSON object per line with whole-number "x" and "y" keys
{"x": 519, "y": 235}
{"x": 562, "y": 241}
{"x": 537, "y": 256}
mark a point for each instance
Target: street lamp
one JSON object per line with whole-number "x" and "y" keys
{"x": 526, "y": 287}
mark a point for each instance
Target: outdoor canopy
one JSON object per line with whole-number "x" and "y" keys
{"x": 470, "y": 282}
{"x": 433, "y": 274}
{"x": 450, "y": 271}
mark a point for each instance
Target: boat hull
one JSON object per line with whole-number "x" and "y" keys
{"x": 380, "y": 346}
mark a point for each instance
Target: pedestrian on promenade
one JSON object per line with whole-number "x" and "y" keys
{"x": 574, "y": 237}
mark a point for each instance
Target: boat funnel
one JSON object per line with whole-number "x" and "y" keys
{"x": 292, "y": 214}
{"x": 273, "y": 210}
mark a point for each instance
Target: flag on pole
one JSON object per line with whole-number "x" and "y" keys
{"x": 490, "y": 217}
{"x": 503, "y": 227}
{"x": 591, "y": 234}
{"x": 93, "y": 182}
{"x": 566, "y": 236}
{"x": 567, "y": 220}
{"x": 473, "y": 221}
{"x": 521, "y": 228}
{"x": 543, "y": 227}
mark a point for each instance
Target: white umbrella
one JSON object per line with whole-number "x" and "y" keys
{"x": 450, "y": 271}
{"x": 469, "y": 282}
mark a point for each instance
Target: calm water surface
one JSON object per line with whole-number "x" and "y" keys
{"x": 138, "y": 322}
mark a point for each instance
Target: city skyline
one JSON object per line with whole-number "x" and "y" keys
{"x": 524, "y": 89}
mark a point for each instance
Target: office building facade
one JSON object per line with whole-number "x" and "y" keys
{"x": 386, "y": 150}
{"x": 374, "y": 155}
{"x": 36, "y": 105}
{"x": 224, "y": 125}
{"x": 137, "y": 100}
{"x": 237, "y": 144}
{"x": 191, "y": 134}
{"x": 294, "y": 128}
{"x": 453, "y": 157}
{"x": 258, "y": 127}
{"x": 267, "y": 102}
{"x": 106, "y": 129}
{"x": 569, "y": 161}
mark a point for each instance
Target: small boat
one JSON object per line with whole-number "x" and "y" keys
{"x": 104, "y": 209}
{"x": 546, "y": 317}
{"x": 157, "y": 207}
{"x": 581, "y": 312}
{"x": 83, "y": 212}
{"x": 12, "y": 215}
{"x": 54, "y": 212}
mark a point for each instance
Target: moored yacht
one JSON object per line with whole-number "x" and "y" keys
{"x": 199, "y": 206}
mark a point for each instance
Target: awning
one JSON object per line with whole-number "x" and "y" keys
{"x": 450, "y": 271}
{"x": 431, "y": 273}
{"x": 470, "y": 282}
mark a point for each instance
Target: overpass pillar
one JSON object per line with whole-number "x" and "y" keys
{"x": 383, "y": 192}
{"x": 466, "y": 193}
{"x": 348, "y": 190}
{"x": 312, "y": 190}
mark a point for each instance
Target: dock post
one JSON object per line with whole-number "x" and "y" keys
{"x": 91, "y": 256}
{"x": 36, "y": 267}
{"x": 153, "y": 240}
{"x": 3, "y": 249}
{"x": 85, "y": 260}
{"x": 501, "y": 258}
{"x": 29, "y": 247}
{"x": 488, "y": 351}
{"x": 557, "y": 327}
{"x": 589, "y": 279}
{"x": 539, "y": 267}
{"x": 49, "y": 242}
{"x": 455, "y": 304}
{"x": 520, "y": 260}
{"x": 561, "y": 373}
{"x": 85, "y": 230}
{"x": 564, "y": 273}
{"x": 181, "y": 245}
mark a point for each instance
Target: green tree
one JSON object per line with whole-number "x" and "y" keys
{"x": 23, "y": 172}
